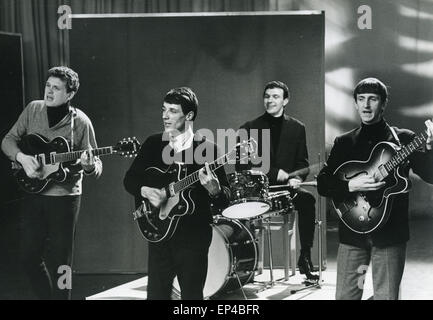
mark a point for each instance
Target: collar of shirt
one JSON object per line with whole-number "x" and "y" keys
{"x": 183, "y": 141}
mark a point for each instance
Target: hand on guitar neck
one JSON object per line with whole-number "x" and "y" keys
{"x": 209, "y": 180}
{"x": 365, "y": 183}
{"x": 30, "y": 164}
{"x": 87, "y": 161}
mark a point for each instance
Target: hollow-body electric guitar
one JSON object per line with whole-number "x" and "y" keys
{"x": 51, "y": 156}
{"x": 176, "y": 184}
{"x": 364, "y": 212}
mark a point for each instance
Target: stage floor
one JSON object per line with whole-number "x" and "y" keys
{"x": 281, "y": 290}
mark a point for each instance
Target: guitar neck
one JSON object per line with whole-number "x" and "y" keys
{"x": 74, "y": 155}
{"x": 402, "y": 155}
{"x": 194, "y": 177}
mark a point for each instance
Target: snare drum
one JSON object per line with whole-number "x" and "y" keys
{"x": 281, "y": 203}
{"x": 232, "y": 258}
{"x": 249, "y": 193}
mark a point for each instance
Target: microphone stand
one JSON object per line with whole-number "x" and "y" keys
{"x": 318, "y": 223}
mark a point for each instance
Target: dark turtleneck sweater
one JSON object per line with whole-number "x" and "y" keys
{"x": 357, "y": 145}
{"x": 374, "y": 133}
{"x": 55, "y": 114}
{"x": 275, "y": 124}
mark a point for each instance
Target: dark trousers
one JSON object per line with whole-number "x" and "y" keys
{"x": 188, "y": 260}
{"x": 305, "y": 204}
{"x": 47, "y": 228}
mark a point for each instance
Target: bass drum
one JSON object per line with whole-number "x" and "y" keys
{"x": 232, "y": 258}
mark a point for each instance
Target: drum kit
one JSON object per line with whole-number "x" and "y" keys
{"x": 234, "y": 253}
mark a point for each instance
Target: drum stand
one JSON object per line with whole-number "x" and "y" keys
{"x": 267, "y": 227}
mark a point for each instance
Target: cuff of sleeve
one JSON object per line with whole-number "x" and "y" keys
{"x": 344, "y": 186}
{"x": 88, "y": 173}
{"x": 217, "y": 195}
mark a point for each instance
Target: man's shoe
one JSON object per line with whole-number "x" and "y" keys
{"x": 306, "y": 267}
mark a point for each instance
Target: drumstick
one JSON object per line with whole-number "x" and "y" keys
{"x": 307, "y": 183}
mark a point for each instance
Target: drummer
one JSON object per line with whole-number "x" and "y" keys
{"x": 288, "y": 162}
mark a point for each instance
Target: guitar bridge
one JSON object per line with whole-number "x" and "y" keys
{"x": 140, "y": 212}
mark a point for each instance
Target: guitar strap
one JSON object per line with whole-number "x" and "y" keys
{"x": 395, "y": 135}
{"x": 74, "y": 112}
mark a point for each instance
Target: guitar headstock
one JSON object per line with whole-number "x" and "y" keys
{"x": 127, "y": 147}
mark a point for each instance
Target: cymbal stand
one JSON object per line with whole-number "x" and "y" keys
{"x": 318, "y": 223}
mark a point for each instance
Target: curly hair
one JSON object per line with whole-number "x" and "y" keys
{"x": 68, "y": 75}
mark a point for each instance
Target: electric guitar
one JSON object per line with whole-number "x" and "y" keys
{"x": 51, "y": 156}
{"x": 177, "y": 186}
{"x": 364, "y": 212}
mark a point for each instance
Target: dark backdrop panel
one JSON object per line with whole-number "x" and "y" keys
{"x": 126, "y": 66}
{"x": 12, "y": 101}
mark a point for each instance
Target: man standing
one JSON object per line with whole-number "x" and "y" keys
{"x": 288, "y": 162}
{"x": 48, "y": 219}
{"x": 384, "y": 247}
{"x": 185, "y": 254}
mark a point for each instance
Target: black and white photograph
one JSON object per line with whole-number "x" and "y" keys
{"x": 216, "y": 150}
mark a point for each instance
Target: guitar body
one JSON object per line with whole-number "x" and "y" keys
{"x": 364, "y": 212}
{"x": 151, "y": 225}
{"x": 39, "y": 146}
{"x": 51, "y": 156}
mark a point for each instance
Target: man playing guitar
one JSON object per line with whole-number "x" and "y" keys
{"x": 184, "y": 253}
{"x": 385, "y": 245}
{"x": 53, "y": 213}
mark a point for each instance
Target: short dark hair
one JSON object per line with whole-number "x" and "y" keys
{"x": 185, "y": 97}
{"x": 68, "y": 75}
{"x": 278, "y": 84}
{"x": 371, "y": 85}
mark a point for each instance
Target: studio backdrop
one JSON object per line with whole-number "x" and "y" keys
{"x": 128, "y": 63}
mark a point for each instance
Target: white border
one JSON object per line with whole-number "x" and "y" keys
{"x": 196, "y": 14}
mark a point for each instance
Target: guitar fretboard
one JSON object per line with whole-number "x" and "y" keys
{"x": 194, "y": 177}
{"x": 405, "y": 152}
{"x": 74, "y": 155}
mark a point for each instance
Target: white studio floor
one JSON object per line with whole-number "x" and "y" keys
{"x": 417, "y": 282}
{"x": 281, "y": 290}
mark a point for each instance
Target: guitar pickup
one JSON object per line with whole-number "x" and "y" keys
{"x": 170, "y": 189}
{"x": 347, "y": 206}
